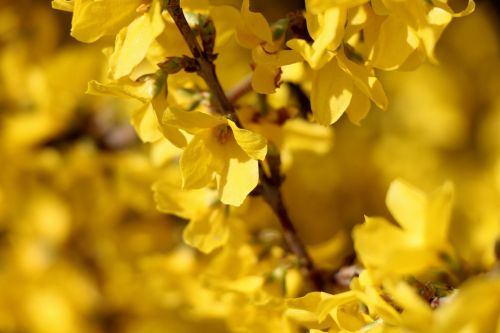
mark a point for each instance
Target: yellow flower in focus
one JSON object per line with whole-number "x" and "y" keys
{"x": 151, "y": 92}
{"x": 327, "y": 30}
{"x": 253, "y": 29}
{"x": 420, "y": 238}
{"x": 218, "y": 149}
{"x": 423, "y": 19}
{"x": 95, "y": 19}
{"x": 343, "y": 86}
{"x": 132, "y": 42}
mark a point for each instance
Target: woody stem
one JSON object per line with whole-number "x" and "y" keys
{"x": 207, "y": 67}
{"x": 271, "y": 182}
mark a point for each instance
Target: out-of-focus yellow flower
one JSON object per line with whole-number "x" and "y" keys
{"x": 209, "y": 225}
{"x": 474, "y": 308}
{"x": 422, "y": 234}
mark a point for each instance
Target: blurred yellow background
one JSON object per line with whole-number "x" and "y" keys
{"x": 82, "y": 247}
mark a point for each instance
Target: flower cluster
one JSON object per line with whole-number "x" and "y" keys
{"x": 330, "y": 51}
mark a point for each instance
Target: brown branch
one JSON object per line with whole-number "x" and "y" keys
{"x": 271, "y": 183}
{"x": 271, "y": 192}
{"x": 207, "y": 67}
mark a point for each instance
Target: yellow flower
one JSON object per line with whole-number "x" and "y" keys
{"x": 150, "y": 92}
{"x": 253, "y": 31}
{"x": 95, "y": 19}
{"x": 267, "y": 72}
{"x": 369, "y": 291}
{"x": 319, "y": 310}
{"x": 474, "y": 309}
{"x": 209, "y": 224}
{"x": 132, "y": 42}
{"x": 415, "y": 18}
{"x": 218, "y": 150}
{"x": 344, "y": 86}
{"x": 419, "y": 240}
{"x": 327, "y": 30}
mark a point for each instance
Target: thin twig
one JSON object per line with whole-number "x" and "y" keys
{"x": 207, "y": 67}
{"x": 271, "y": 192}
{"x": 271, "y": 183}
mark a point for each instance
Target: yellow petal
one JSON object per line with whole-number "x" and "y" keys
{"x": 349, "y": 317}
{"x": 225, "y": 18}
{"x": 253, "y": 28}
{"x": 367, "y": 290}
{"x": 163, "y": 152}
{"x": 208, "y": 230}
{"x": 197, "y": 163}
{"x": 359, "y": 107}
{"x": 133, "y": 41}
{"x": 417, "y": 314}
{"x": 264, "y": 79}
{"x": 443, "y": 4}
{"x": 307, "y": 309}
{"x": 94, "y": 19}
{"x": 408, "y": 205}
{"x": 192, "y": 122}
{"x": 425, "y": 218}
{"x": 379, "y": 7}
{"x": 331, "y": 93}
{"x": 240, "y": 178}
{"x": 438, "y": 20}
{"x": 475, "y": 242}
{"x": 299, "y": 134}
{"x": 145, "y": 124}
{"x": 170, "y": 198}
{"x": 399, "y": 254}
{"x": 277, "y": 59}
{"x": 331, "y": 25}
{"x": 253, "y": 144}
{"x": 314, "y": 58}
{"x": 396, "y": 42}
{"x": 174, "y": 135}
{"x": 141, "y": 91}
{"x": 439, "y": 214}
{"x": 473, "y": 309}
{"x": 63, "y": 5}
{"x": 364, "y": 80}
{"x": 334, "y": 305}
{"x": 327, "y": 29}
{"x": 366, "y": 237}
